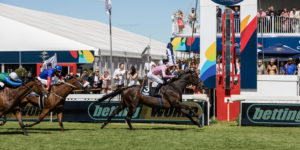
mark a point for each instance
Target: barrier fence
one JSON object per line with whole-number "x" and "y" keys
{"x": 85, "y": 108}
{"x": 269, "y": 24}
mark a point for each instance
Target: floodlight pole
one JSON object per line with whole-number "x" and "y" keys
{"x": 111, "y": 67}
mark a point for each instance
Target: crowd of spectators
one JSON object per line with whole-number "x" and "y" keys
{"x": 101, "y": 83}
{"x": 181, "y": 21}
{"x": 270, "y": 20}
{"x": 288, "y": 68}
{"x": 281, "y": 20}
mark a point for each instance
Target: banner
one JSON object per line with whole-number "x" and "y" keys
{"x": 258, "y": 114}
{"x": 87, "y": 111}
{"x": 31, "y": 113}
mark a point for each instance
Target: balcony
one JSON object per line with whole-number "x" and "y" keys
{"x": 273, "y": 26}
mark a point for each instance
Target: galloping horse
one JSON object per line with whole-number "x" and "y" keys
{"x": 171, "y": 97}
{"x": 56, "y": 100}
{"x": 11, "y": 97}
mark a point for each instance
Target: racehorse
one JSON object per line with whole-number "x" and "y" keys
{"x": 171, "y": 97}
{"x": 56, "y": 100}
{"x": 11, "y": 97}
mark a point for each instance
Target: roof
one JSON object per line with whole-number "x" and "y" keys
{"x": 26, "y": 29}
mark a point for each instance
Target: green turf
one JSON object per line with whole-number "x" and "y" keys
{"x": 148, "y": 136}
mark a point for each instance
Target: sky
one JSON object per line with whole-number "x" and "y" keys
{"x": 151, "y": 18}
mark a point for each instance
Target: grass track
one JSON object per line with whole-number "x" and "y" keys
{"x": 148, "y": 136}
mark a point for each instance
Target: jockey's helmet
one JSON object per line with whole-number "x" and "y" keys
{"x": 58, "y": 67}
{"x": 13, "y": 76}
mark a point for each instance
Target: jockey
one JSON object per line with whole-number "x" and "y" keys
{"x": 11, "y": 79}
{"x": 47, "y": 74}
{"x": 163, "y": 71}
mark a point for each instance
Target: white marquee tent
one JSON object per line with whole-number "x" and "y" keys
{"x": 28, "y": 30}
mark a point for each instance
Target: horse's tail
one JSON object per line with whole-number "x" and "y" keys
{"x": 113, "y": 94}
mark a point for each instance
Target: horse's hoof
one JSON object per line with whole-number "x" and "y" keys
{"x": 102, "y": 126}
{"x": 62, "y": 130}
{"x": 25, "y": 134}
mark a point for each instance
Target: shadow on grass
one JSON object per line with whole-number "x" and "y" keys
{"x": 21, "y": 133}
{"x": 159, "y": 128}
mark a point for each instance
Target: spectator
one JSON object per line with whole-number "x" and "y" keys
{"x": 294, "y": 15}
{"x": 238, "y": 65}
{"x": 219, "y": 18}
{"x": 272, "y": 68}
{"x": 193, "y": 64}
{"x": 148, "y": 65}
{"x": 97, "y": 79}
{"x": 219, "y": 67}
{"x": 261, "y": 68}
{"x": 132, "y": 76}
{"x": 175, "y": 71}
{"x": 281, "y": 72}
{"x": 180, "y": 22}
{"x": 298, "y": 69}
{"x": 85, "y": 77}
{"x": 106, "y": 82}
{"x": 289, "y": 68}
{"x": 236, "y": 13}
{"x": 119, "y": 76}
{"x": 192, "y": 19}
{"x": 183, "y": 66}
{"x": 261, "y": 14}
{"x": 285, "y": 20}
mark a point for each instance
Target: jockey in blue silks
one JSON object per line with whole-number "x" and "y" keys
{"x": 46, "y": 76}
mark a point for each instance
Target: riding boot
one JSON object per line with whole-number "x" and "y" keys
{"x": 157, "y": 89}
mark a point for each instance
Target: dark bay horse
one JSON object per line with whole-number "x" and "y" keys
{"x": 10, "y": 99}
{"x": 56, "y": 100}
{"x": 171, "y": 97}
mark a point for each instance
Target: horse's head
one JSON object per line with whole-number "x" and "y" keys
{"x": 194, "y": 79}
{"x": 77, "y": 82}
{"x": 38, "y": 87}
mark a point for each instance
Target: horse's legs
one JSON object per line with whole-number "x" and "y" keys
{"x": 59, "y": 118}
{"x": 3, "y": 121}
{"x": 19, "y": 117}
{"x": 116, "y": 111}
{"x": 184, "y": 109}
{"x": 41, "y": 117}
{"x": 131, "y": 111}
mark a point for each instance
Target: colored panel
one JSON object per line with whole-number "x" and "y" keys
{"x": 185, "y": 44}
{"x": 32, "y": 57}
{"x": 249, "y": 64}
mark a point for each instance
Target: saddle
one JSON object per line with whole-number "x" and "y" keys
{"x": 148, "y": 90}
{"x": 41, "y": 99}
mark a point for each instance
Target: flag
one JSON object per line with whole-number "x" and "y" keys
{"x": 52, "y": 60}
{"x": 170, "y": 54}
{"x": 108, "y": 6}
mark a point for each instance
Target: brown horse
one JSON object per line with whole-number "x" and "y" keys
{"x": 171, "y": 97}
{"x": 56, "y": 100}
{"x": 10, "y": 99}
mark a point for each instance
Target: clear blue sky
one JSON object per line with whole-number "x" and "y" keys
{"x": 145, "y": 17}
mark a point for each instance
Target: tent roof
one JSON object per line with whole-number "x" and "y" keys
{"x": 26, "y": 29}
{"x": 279, "y": 49}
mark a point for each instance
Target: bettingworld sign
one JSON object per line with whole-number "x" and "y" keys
{"x": 271, "y": 114}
